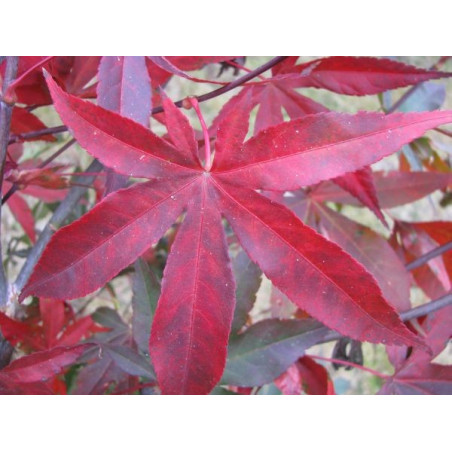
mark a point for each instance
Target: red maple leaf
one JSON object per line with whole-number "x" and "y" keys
{"x": 195, "y": 310}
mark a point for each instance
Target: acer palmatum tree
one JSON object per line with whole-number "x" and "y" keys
{"x": 191, "y": 219}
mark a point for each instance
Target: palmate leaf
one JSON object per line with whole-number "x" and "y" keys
{"x": 195, "y": 310}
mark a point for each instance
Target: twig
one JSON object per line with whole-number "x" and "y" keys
{"x": 6, "y": 110}
{"x": 430, "y": 255}
{"x": 60, "y": 214}
{"x": 427, "y": 308}
{"x": 444, "y": 132}
{"x": 37, "y": 133}
{"x": 215, "y": 93}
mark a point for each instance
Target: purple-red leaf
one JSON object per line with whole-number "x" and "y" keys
{"x": 119, "y": 143}
{"x": 315, "y": 274}
{"x": 194, "y": 313}
{"x": 137, "y": 216}
{"x": 124, "y": 87}
{"x": 360, "y": 76}
{"x": 361, "y": 185}
{"x": 371, "y": 250}
{"x": 317, "y": 147}
{"x": 42, "y": 365}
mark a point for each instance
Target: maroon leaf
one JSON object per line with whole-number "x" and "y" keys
{"x": 119, "y": 143}
{"x": 305, "y": 376}
{"x": 194, "y": 312}
{"x": 343, "y": 296}
{"x": 150, "y": 206}
{"x": 394, "y": 188}
{"x": 22, "y": 212}
{"x": 323, "y": 146}
{"x": 53, "y": 318}
{"x": 360, "y": 76}
{"x": 420, "y": 378}
{"x": 42, "y": 365}
{"x": 125, "y": 88}
{"x": 371, "y": 250}
{"x": 361, "y": 185}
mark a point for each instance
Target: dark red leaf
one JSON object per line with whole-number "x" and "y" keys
{"x": 152, "y": 206}
{"x": 343, "y": 296}
{"x": 361, "y": 185}
{"x": 317, "y": 147}
{"x": 41, "y": 366}
{"x": 194, "y": 313}
{"x": 360, "y": 76}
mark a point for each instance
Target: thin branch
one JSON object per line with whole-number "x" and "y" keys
{"x": 444, "y": 132}
{"x": 403, "y": 99}
{"x": 37, "y": 133}
{"x": 427, "y": 308}
{"x": 57, "y": 153}
{"x": 58, "y": 217}
{"x": 6, "y": 110}
{"x": 215, "y": 93}
{"x": 430, "y": 255}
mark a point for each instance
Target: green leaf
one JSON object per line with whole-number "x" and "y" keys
{"x": 265, "y": 350}
{"x": 146, "y": 291}
{"x": 248, "y": 278}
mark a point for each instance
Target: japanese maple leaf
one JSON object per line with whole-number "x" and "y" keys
{"x": 195, "y": 310}
{"x": 355, "y": 76}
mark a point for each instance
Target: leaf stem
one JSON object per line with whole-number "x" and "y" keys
{"x": 352, "y": 364}
{"x": 6, "y": 110}
{"x": 37, "y": 133}
{"x": 444, "y": 132}
{"x": 430, "y": 255}
{"x": 208, "y": 154}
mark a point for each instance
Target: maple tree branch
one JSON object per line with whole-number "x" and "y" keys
{"x": 202, "y": 98}
{"x": 58, "y": 217}
{"x": 403, "y": 99}
{"x": 37, "y": 133}
{"x": 224, "y": 89}
{"x": 427, "y": 308}
{"x": 6, "y": 111}
{"x": 430, "y": 255}
{"x": 444, "y": 132}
